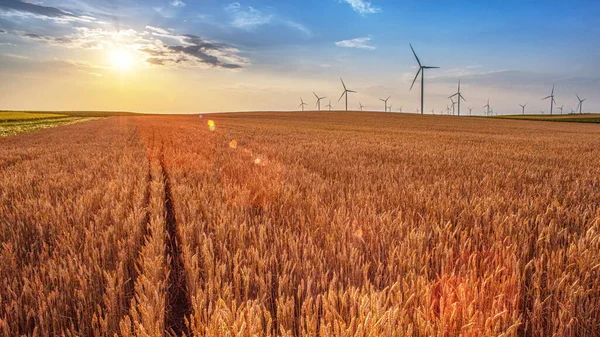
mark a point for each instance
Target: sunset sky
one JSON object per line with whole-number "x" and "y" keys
{"x": 199, "y": 56}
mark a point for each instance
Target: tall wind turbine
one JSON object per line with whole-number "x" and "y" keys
{"x": 459, "y": 97}
{"x": 523, "y": 107}
{"x": 422, "y": 72}
{"x": 329, "y": 105}
{"x": 552, "y": 101}
{"x": 302, "y": 104}
{"x": 361, "y": 106}
{"x": 580, "y": 103}
{"x": 561, "y": 108}
{"x": 346, "y": 91}
{"x": 453, "y": 105}
{"x": 318, "y": 105}
{"x": 487, "y": 106}
{"x": 385, "y": 103}
{"x": 390, "y": 109}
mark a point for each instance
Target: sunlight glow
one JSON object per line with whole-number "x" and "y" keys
{"x": 121, "y": 59}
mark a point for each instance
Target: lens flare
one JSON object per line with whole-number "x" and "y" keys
{"x": 211, "y": 125}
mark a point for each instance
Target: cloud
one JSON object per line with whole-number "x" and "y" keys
{"x": 25, "y": 9}
{"x": 2, "y": 31}
{"x": 362, "y": 6}
{"x": 250, "y": 18}
{"x": 156, "y": 46}
{"x": 177, "y": 3}
{"x": 21, "y": 57}
{"x": 360, "y": 43}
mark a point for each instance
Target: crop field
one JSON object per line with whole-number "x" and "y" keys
{"x": 301, "y": 224}
{"x": 19, "y": 115}
{"x": 572, "y": 118}
{"x": 12, "y": 123}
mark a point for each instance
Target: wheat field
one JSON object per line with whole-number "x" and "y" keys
{"x": 301, "y": 224}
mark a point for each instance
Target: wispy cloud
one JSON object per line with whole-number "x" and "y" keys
{"x": 250, "y": 18}
{"x": 178, "y": 3}
{"x": 360, "y": 43}
{"x": 362, "y": 6}
{"x": 17, "y": 8}
{"x": 21, "y": 57}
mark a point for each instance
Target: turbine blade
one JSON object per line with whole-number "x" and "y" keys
{"x": 413, "y": 83}
{"x": 413, "y": 50}
{"x": 352, "y": 91}
{"x": 461, "y": 97}
{"x": 431, "y": 67}
{"x": 315, "y": 95}
{"x": 342, "y": 96}
{"x": 450, "y": 97}
{"x": 343, "y": 84}
{"x": 546, "y": 98}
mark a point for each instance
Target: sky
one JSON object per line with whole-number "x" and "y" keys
{"x": 184, "y": 56}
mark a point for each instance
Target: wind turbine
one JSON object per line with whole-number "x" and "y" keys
{"x": 561, "y": 108}
{"x": 390, "y": 110}
{"x": 580, "y": 103}
{"x": 523, "y": 107}
{"x": 302, "y": 104}
{"x": 318, "y": 100}
{"x": 470, "y": 111}
{"x": 329, "y": 105}
{"x": 400, "y": 110}
{"x": 385, "y": 103}
{"x": 552, "y": 101}
{"x": 487, "y": 106}
{"x": 459, "y": 97}
{"x": 453, "y": 105}
{"x": 361, "y": 106}
{"x": 346, "y": 91}
{"x": 422, "y": 72}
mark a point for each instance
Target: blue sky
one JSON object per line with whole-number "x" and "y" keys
{"x": 185, "y": 55}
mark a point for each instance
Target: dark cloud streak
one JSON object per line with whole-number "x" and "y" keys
{"x": 26, "y": 7}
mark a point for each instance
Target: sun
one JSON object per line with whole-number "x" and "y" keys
{"x": 121, "y": 59}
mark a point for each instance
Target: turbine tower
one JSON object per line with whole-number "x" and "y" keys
{"x": 580, "y": 103}
{"x": 302, "y": 104}
{"x": 470, "y": 111}
{"x": 459, "y": 97}
{"x": 318, "y": 105}
{"x": 552, "y": 101}
{"x": 385, "y": 103}
{"x": 561, "y": 108}
{"x": 422, "y": 72}
{"x": 346, "y": 91}
{"x": 329, "y": 105}
{"x": 523, "y": 107}
{"x": 487, "y": 106}
{"x": 453, "y": 105}
{"x": 361, "y": 106}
